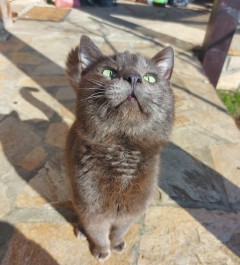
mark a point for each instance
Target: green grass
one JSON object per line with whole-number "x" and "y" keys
{"x": 231, "y": 101}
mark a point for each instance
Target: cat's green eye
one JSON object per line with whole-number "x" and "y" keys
{"x": 109, "y": 73}
{"x": 150, "y": 78}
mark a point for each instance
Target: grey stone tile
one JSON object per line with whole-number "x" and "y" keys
{"x": 226, "y": 161}
{"x": 55, "y": 244}
{"x": 177, "y": 236}
{"x": 189, "y": 182}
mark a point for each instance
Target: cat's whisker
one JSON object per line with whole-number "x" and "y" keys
{"x": 96, "y": 88}
{"x": 94, "y": 97}
{"x": 177, "y": 120}
{"x": 155, "y": 110}
{"x": 95, "y": 94}
{"x": 96, "y": 82}
{"x": 85, "y": 100}
{"x": 103, "y": 105}
{"x": 98, "y": 100}
{"x": 92, "y": 88}
{"x": 155, "y": 103}
{"x": 179, "y": 99}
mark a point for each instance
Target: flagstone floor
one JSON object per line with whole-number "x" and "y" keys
{"x": 194, "y": 217}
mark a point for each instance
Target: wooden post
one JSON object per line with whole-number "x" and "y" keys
{"x": 6, "y": 13}
{"x": 220, "y": 30}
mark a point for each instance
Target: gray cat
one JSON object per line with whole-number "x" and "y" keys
{"x": 124, "y": 115}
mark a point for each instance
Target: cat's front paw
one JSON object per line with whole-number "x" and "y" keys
{"x": 119, "y": 247}
{"x": 100, "y": 255}
{"x": 79, "y": 233}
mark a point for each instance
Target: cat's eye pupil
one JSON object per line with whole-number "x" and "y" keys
{"x": 150, "y": 78}
{"x": 109, "y": 73}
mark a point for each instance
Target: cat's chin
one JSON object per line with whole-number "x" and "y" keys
{"x": 132, "y": 103}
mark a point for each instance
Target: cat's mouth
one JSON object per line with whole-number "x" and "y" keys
{"x": 132, "y": 97}
{"x": 133, "y": 101}
{"x": 130, "y": 102}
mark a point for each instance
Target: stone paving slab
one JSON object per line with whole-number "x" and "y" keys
{"x": 194, "y": 217}
{"x": 191, "y": 237}
{"x": 61, "y": 244}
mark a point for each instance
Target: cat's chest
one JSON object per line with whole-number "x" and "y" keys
{"x": 122, "y": 162}
{"x": 112, "y": 162}
{"x": 117, "y": 177}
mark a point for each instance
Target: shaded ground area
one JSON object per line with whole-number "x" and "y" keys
{"x": 195, "y": 220}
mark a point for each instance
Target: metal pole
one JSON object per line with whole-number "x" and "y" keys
{"x": 220, "y": 30}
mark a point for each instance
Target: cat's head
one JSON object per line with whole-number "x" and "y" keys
{"x": 125, "y": 93}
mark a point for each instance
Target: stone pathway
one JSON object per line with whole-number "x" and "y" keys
{"x": 195, "y": 214}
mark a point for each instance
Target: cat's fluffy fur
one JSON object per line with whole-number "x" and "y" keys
{"x": 113, "y": 147}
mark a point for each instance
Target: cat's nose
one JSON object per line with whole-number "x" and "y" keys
{"x": 133, "y": 78}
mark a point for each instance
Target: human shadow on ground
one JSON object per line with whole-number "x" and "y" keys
{"x": 16, "y": 249}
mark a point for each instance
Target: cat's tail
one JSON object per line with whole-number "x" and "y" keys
{"x": 73, "y": 68}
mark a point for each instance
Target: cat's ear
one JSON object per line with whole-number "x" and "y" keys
{"x": 88, "y": 52}
{"x": 165, "y": 60}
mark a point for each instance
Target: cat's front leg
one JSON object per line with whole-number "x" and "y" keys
{"x": 79, "y": 232}
{"x": 98, "y": 237}
{"x": 117, "y": 233}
